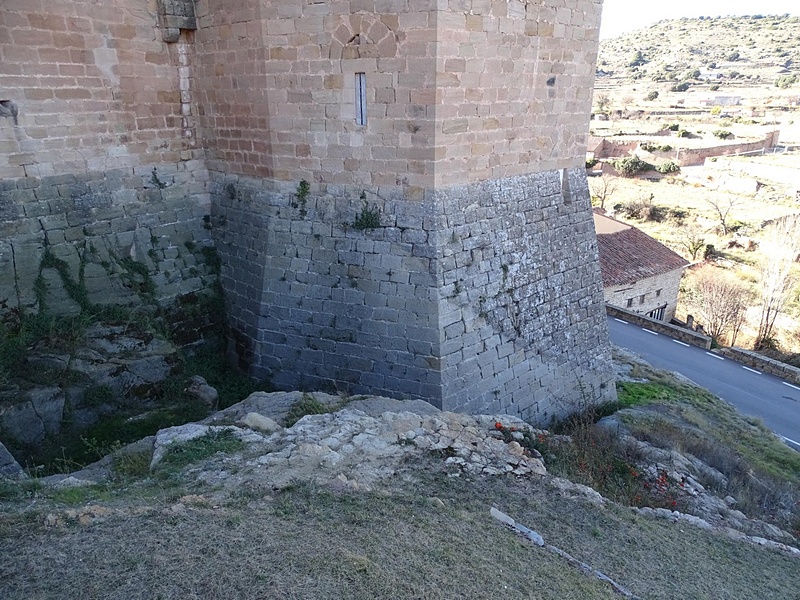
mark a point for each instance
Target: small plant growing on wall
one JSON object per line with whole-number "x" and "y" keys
{"x": 369, "y": 217}
{"x": 301, "y": 197}
{"x": 154, "y": 179}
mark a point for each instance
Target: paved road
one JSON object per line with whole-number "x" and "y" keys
{"x": 773, "y": 400}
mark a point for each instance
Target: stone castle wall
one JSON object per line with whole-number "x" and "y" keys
{"x": 444, "y": 249}
{"x": 456, "y": 91}
{"x": 484, "y": 297}
{"x": 99, "y": 161}
{"x": 96, "y": 223}
{"x": 94, "y": 89}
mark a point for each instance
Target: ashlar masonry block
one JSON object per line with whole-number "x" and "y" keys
{"x": 443, "y": 246}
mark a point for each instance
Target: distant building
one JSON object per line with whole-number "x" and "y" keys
{"x": 710, "y": 75}
{"x": 639, "y": 273}
{"x": 720, "y": 101}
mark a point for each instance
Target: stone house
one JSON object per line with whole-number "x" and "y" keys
{"x": 395, "y": 188}
{"x": 639, "y": 273}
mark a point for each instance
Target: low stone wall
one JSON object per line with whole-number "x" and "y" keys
{"x": 115, "y": 235}
{"x": 686, "y": 157}
{"x": 679, "y": 333}
{"x": 762, "y": 363}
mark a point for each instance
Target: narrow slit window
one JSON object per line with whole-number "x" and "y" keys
{"x": 361, "y": 98}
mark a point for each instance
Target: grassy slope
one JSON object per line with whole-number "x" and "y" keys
{"x": 307, "y": 541}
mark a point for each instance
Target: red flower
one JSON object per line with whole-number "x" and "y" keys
{"x": 498, "y": 425}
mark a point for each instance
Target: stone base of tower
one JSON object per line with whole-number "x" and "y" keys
{"x": 484, "y": 297}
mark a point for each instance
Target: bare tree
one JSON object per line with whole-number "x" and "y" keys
{"x": 719, "y": 299}
{"x": 781, "y": 246}
{"x": 601, "y": 189}
{"x": 722, "y": 205}
{"x": 626, "y": 103}
{"x": 691, "y": 239}
{"x": 602, "y": 101}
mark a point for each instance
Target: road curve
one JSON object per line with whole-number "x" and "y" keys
{"x": 775, "y": 401}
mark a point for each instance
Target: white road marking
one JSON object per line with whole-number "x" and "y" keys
{"x": 751, "y": 370}
{"x": 715, "y": 356}
{"x": 791, "y": 441}
{"x": 681, "y": 343}
{"x": 790, "y": 385}
{"x": 648, "y": 331}
{"x": 620, "y": 320}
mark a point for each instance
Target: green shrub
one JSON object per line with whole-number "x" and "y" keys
{"x": 180, "y": 455}
{"x": 668, "y": 167}
{"x": 681, "y": 87}
{"x": 631, "y": 165}
{"x": 651, "y": 96}
{"x": 785, "y": 81}
{"x": 722, "y": 134}
{"x": 637, "y": 60}
{"x": 369, "y": 217}
{"x": 98, "y": 395}
{"x": 307, "y": 405}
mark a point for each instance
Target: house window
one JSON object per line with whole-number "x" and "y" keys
{"x": 658, "y": 313}
{"x": 658, "y": 293}
{"x": 630, "y": 302}
{"x": 641, "y": 299}
{"x": 361, "y": 98}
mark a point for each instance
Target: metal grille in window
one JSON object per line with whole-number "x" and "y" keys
{"x": 361, "y": 98}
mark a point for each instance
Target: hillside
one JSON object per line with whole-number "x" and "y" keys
{"x": 732, "y": 52}
{"x": 389, "y": 499}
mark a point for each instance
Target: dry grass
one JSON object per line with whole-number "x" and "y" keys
{"x": 310, "y": 542}
{"x": 422, "y": 535}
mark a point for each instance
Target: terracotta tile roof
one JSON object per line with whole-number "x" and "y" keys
{"x": 628, "y": 256}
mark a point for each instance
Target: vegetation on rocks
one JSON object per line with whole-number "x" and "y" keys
{"x": 43, "y": 348}
{"x": 206, "y": 522}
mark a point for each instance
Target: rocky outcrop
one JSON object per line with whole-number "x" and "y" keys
{"x": 372, "y": 440}
{"x": 354, "y": 448}
{"x": 116, "y": 366}
{"x": 37, "y": 413}
{"x": 9, "y": 467}
{"x": 130, "y": 362}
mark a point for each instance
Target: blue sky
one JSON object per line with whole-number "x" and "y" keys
{"x": 621, "y": 16}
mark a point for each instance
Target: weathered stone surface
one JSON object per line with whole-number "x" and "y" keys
{"x": 184, "y": 433}
{"x": 274, "y": 405}
{"x": 260, "y": 423}
{"x": 96, "y": 234}
{"x": 127, "y": 360}
{"x": 35, "y": 414}
{"x": 477, "y": 298}
{"x": 198, "y": 387}
{"x": 353, "y": 449}
{"x": 9, "y": 467}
